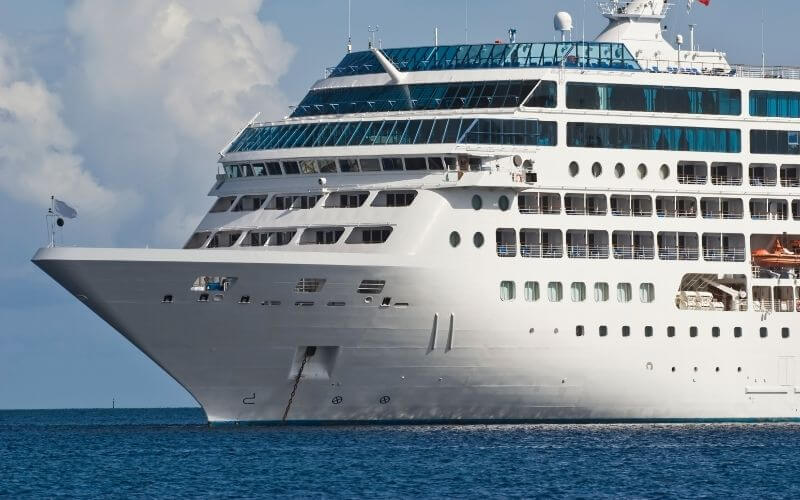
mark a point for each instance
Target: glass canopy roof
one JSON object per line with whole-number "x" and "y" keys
{"x": 496, "y": 55}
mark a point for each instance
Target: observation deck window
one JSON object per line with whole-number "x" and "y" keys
{"x": 763, "y": 174}
{"x": 351, "y": 199}
{"x": 775, "y": 104}
{"x": 274, "y": 168}
{"x": 369, "y": 235}
{"x": 775, "y": 142}
{"x": 291, "y": 168}
{"x": 321, "y": 236}
{"x": 250, "y": 203}
{"x": 653, "y": 99}
{"x": 293, "y": 202}
{"x": 416, "y": 164}
{"x": 392, "y": 164}
{"x": 197, "y": 240}
{"x": 541, "y": 243}
{"x": 348, "y": 165}
{"x": 653, "y": 137}
{"x": 394, "y": 198}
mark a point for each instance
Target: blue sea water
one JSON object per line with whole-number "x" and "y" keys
{"x": 173, "y": 453}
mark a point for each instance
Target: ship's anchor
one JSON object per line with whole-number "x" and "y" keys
{"x": 310, "y": 350}
{"x": 249, "y": 400}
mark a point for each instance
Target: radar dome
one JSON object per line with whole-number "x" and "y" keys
{"x": 563, "y": 22}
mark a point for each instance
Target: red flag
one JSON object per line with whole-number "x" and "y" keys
{"x": 704, "y": 2}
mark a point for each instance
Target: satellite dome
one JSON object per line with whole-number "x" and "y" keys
{"x": 562, "y": 22}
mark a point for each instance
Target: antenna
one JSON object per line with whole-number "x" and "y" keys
{"x": 583, "y": 23}
{"x": 466, "y": 21}
{"x": 691, "y": 36}
{"x": 372, "y": 30}
{"x": 349, "y": 33}
{"x": 436, "y": 36}
{"x": 763, "y": 50}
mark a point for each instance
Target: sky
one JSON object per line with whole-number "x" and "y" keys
{"x": 119, "y": 108}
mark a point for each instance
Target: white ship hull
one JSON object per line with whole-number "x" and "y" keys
{"x": 439, "y": 359}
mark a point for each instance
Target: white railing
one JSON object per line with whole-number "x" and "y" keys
{"x": 723, "y": 255}
{"x": 692, "y": 179}
{"x": 587, "y": 252}
{"x": 711, "y": 214}
{"x": 678, "y": 253}
{"x": 790, "y": 182}
{"x": 726, "y": 181}
{"x": 506, "y": 250}
{"x": 541, "y": 251}
{"x": 539, "y": 211}
{"x": 633, "y": 253}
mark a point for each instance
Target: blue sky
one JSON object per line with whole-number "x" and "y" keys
{"x": 120, "y": 107}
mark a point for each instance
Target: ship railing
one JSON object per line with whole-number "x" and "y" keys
{"x": 713, "y": 214}
{"x": 541, "y": 251}
{"x": 726, "y": 181}
{"x": 540, "y": 211}
{"x": 769, "y": 216}
{"x": 692, "y": 179}
{"x": 790, "y": 182}
{"x": 506, "y": 250}
{"x": 587, "y": 252}
{"x": 673, "y": 253}
{"x": 723, "y": 254}
{"x": 633, "y": 253}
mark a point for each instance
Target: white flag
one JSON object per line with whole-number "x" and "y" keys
{"x": 64, "y": 210}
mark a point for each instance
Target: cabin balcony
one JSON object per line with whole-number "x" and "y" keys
{"x": 635, "y": 206}
{"x": 763, "y": 174}
{"x": 676, "y": 206}
{"x": 585, "y": 204}
{"x": 724, "y": 247}
{"x": 506, "y": 242}
{"x": 678, "y": 246}
{"x": 587, "y": 244}
{"x": 790, "y": 175}
{"x": 695, "y": 173}
{"x": 768, "y": 209}
{"x": 541, "y": 243}
{"x": 539, "y": 203}
{"x": 633, "y": 245}
{"x": 722, "y": 208}
{"x": 726, "y": 174}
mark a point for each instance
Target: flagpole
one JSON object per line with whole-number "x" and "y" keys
{"x": 50, "y": 228}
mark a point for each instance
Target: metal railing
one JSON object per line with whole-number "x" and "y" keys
{"x": 763, "y": 181}
{"x": 633, "y": 253}
{"x": 726, "y": 180}
{"x": 506, "y": 250}
{"x": 790, "y": 182}
{"x": 539, "y": 210}
{"x": 541, "y": 251}
{"x": 723, "y": 254}
{"x": 587, "y": 252}
{"x": 768, "y": 216}
{"x": 715, "y": 214}
{"x": 692, "y": 179}
{"x": 678, "y": 253}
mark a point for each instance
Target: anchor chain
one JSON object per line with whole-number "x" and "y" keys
{"x": 307, "y": 355}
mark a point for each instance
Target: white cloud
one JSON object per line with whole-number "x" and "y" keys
{"x": 161, "y": 88}
{"x": 37, "y": 150}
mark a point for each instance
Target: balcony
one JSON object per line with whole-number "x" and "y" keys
{"x": 587, "y": 252}
{"x": 541, "y": 251}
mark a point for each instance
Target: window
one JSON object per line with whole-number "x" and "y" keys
{"x": 394, "y": 198}
{"x": 579, "y": 331}
{"x": 603, "y": 330}
{"x": 693, "y": 331}
{"x": 626, "y": 331}
{"x": 249, "y": 203}
{"x": 624, "y": 292}
{"x": 648, "y": 331}
{"x": 308, "y": 166}
{"x": 291, "y": 167}
{"x": 774, "y": 104}
{"x": 775, "y": 142}
{"x": 601, "y": 292}
{"x": 737, "y": 332}
{"x": 346, "y": 166}
{"x": 762, "y": 332}
{"x": 369, "y": 235}
{"x": 439, "y": 131}
{"x": 477, "y": 202}
{"x": 224, "y": 239}
{"x": 416, "y": 164}
{"x": 430, "y": 96}
{"x": 371, "y": 287}
{"x": 197, "y": 240}
{"x": 321, "y": 236}
{"x": 578, "y": 291}
{"x": 309, "y": 285}
{"x": 274, "y": 168}
{"x": 350, "y": 200}
{"x": 555, "y": 291}
{"x": 647, "y": 293}
{"x": 508, "y": 291}
{"x": 641, "y": 170}
{"x": 435, "y": 163}
{"x": 222, "y": 204}
{"x": 370, "y": 165}
{"x": 455, "y": 239}
{"x": 478, "y": 240}
{"x": 663, "y": 172}
{"x": 784, "y": 333}
{"x": 503, "y": 203}
{"x": 573, "y": 169}
{"x": 619, "y": 170}
{"x": 653, "y": 99}
{"x": 531, "y": 291}
{"x": 327, "y": 166}
{"x": 653, "y": 137}
{"x": 715, "y": 331}
{"x": 597, "y": 169}
{"x": 670, "y": 331}
{"x": 518, "y": 55}
{"x": 392, "y": 164}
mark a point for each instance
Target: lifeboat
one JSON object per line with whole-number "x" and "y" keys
{"x": 778, "y": 256}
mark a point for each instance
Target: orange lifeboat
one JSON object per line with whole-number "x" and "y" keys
{"x": 779, "y": 256}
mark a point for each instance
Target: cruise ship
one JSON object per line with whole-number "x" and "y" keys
{"x": 499, "y": 232}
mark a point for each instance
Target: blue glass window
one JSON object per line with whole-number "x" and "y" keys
{"x": 514, "y": 55}
{"x": 441, "y": 131}
{"x": 655, "y": 137}
{"x": 775, "y": 142}
{"x": 466, "y": 95}
{"x": 691, "y": 100}
{"x": 775, "y": 104}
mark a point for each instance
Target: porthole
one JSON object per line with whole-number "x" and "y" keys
{"x": 664, "y": 171}
{"x": 368, "y": 300}
{"x": 641, "y": 170}
{"x": 455, "y": 239}
{"x": 739, "y": 369}
{"x": 619, "y": 170}
{"x": 477, "y": 202}
{"x": 573, "y": 169}
{"x": 478, "y": 240}
{"x": 673, "y": 369}
{"x": 503, "y": 203}
{"x": 597, "y": 169}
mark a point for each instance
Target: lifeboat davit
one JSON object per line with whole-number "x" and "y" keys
{"x": 778, "y": 256}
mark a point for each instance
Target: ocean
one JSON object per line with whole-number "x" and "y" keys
{"x": 172, "y": 453}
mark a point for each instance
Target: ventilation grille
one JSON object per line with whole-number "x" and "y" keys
{"x": 371, "y": 287}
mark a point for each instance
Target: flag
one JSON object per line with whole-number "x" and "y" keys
{"x": 64, "y": 210}
{"x": 704, "y": 2}
{"x": 690, "y": 2}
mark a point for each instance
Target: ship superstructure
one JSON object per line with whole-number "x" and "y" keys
{"x": 605, "y": 230}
